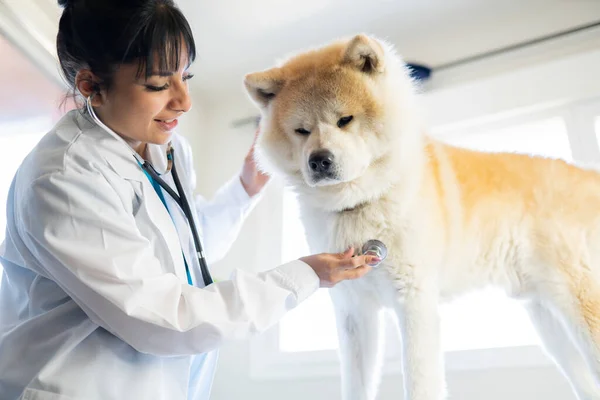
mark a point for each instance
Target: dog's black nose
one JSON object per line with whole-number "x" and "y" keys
{"x": 320, "y": 161}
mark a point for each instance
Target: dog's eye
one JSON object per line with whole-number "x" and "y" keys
{"x": 342, "y": 122}
{"x": 302, "y": 131}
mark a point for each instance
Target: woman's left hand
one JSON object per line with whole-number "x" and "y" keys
{"x": 252, "y": 179}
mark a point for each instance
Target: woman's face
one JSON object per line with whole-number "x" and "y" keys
{"x": 145, "y": 110}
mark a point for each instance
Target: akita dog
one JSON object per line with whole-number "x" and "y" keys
{"x": 341, "y": 124}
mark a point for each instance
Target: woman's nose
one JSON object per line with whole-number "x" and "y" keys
{"x": 181, "y": 97}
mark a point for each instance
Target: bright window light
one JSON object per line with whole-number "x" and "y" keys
{"x": 546, "y": 138}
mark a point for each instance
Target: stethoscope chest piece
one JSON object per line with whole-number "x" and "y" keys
{"x": 375, "y": 248}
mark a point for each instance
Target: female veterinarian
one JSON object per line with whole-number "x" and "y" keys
{"x": 106, "y": 292}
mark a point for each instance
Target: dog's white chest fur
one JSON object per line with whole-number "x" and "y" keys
{"x": 382, "y": 220}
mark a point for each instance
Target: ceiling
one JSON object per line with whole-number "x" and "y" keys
{"x": 239, "y": 36}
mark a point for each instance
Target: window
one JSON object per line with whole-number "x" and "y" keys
{"x": 547, "y": 137}
{"x": 482, "y": 320}
{"x": 311, "y": 326}
{"x": 30, "y": 108}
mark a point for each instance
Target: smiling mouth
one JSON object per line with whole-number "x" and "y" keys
{"x": 167, "y": 124}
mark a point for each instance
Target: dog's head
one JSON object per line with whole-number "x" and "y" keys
{"x": 332, "y": 116}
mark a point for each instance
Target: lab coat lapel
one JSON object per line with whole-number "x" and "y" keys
{"x": 125, "y": 165}
{"x": 158, "y": 214}
{"x": 183, "y": 230}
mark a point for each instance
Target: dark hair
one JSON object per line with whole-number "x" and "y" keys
{"x": 101, "y": 34}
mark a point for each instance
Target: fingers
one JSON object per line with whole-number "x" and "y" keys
{"x": 347, "y": 255}
{"x": 250, "y": 154}
{"x": 334, "y": 268}
{"x": 355, "y": 262}
{"x": 256, "y": 135}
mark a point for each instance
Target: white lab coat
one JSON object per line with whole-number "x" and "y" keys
{"x": 94, "y": 302}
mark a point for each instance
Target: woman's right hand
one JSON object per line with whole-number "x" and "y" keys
{"x": 334, "y": 268}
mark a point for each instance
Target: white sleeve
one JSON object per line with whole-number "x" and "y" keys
{"x": 222, "y": 217}
{"x": 82, "y": 237}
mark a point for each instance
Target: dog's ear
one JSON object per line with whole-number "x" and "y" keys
{"x": 263, "y": 86}
{"x": 365, "y": 53}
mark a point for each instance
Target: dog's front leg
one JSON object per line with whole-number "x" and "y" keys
{"x": 360, "y": 333}
{"x": 423, "y": 365}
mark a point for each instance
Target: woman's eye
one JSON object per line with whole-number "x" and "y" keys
{"x": 157, "y": 88}
{"x": 188, "y": 77}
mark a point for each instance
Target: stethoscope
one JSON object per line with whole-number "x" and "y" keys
{"x": 178, "y": 196}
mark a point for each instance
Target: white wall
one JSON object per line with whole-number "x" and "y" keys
{"x": 222, "y": 149}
